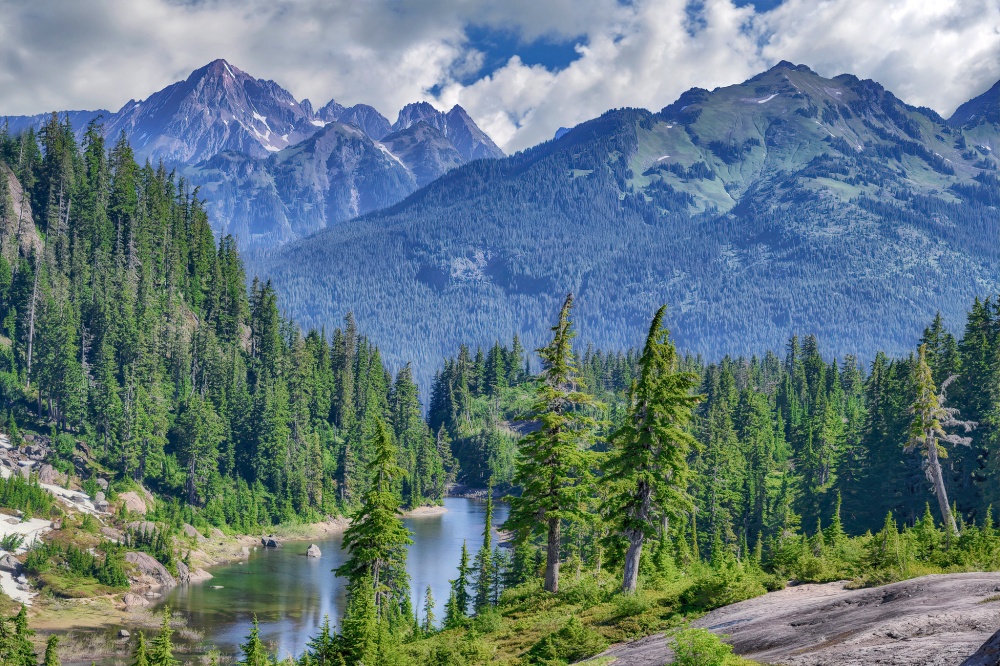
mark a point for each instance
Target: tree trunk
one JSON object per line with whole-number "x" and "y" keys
{"x": 552, "y": 557}
{"x": 632, "y": 557}
{"x": 939, "y": 491}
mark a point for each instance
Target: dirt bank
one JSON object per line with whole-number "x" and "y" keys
{"x": 935, "y": 620}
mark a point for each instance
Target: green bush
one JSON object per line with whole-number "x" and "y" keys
{"x": 699, "y": 647}
{"x": 570, "y": 644}
{"x": 728, "y": 584}
{"x": 630, "y": 605}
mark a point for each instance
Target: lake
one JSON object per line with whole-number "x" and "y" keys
{"x": 291, "y": 593}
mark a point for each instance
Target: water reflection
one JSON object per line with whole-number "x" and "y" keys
{"x": 290, "y": 593}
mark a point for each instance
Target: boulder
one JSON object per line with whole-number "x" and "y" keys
{"x": 112, "y": 534}
{"x": 9, "y": 563}
{"x": 123, "y": 633}
{"x": 270, "y": 542}
{"x": 102, "y": 506}
{"x": 102, "y": 484}
{"x": 133, "y": 502}
{"x": 48, "y": 474}
{"x": 313, "y": 551}
{"x": 135, "y": 601}
{"x": 148, "y": 572}
{"x": 100, "y": 496}
{"x": 198, "y": 576}
{"x": 190, "y": 531}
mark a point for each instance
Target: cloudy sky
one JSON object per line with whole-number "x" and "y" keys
{"x": 522, "y": 68}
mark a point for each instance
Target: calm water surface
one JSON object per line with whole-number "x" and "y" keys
{"x": 290, "y": 593}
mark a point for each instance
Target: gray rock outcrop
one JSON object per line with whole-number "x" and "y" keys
{"x": 313, "y": 551}
{"x": 148, "y": 572}
{"x": 988, "y": 653}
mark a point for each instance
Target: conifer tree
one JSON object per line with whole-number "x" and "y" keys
{"x": 377, "y": 539}
{"x": 429, "y": 618}
{"x": 51, "y": 656}
{"x": 930, "y": 418}
{"x": 254, "y": 652}
{"x": 484, "y": 564}
{"x": 161, "y": 650}
{"x": 140, "y": 656}
{"x": 554, "y": 470}
{"x": 459, "y": 610}
{"x": 647, "y": 460}
{"x": 360, "y": 626}
{"x": 322, "y": 649}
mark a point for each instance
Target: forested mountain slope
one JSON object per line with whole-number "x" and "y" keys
{"x": 789, "y": 203}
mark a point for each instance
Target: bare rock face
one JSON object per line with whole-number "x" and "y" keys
{"x": 148, "y": 572}
{"x": 987, "y": 655}
{"x": 133, "y": 502}
{"x": 934, "y": 620}
{"x": 313, "y": 551}
{"x": 218, "y": 108}
{"x": 112, "y": 533}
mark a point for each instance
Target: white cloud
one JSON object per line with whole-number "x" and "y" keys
{"x": 59, "y": 55}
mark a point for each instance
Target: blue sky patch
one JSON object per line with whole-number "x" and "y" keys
{"x": 500, "y": 45}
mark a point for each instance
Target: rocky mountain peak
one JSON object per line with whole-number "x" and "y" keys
{"x": 217, "y": 108}
{"x": 415, "y": 112}
{"x": 982, "y": 109}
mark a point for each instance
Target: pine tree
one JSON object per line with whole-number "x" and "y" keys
{"x": 51, "y": 656}
{"x": 460, "y": 590}
{"x": 484, "y": 564}
{"x": 360, "y": 625}
{"x": 322, "y": 649}
{"x": 254, "y": 652}
{"x": 927, "y": 432}
{"x": 429, "y": 618}
{"x": 140, "y": 656}
{"x": 647, "y": 461}
{"x": 554, "y": 470}
{"x": 161, "y": 650}
{"x": 377, "y": 539}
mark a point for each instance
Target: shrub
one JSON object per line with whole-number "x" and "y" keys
{"x": 570, "y": 644}
{"x": 12, "y": 542}
{"x": 726, "y": 585}
{"x": 699, "y": 647}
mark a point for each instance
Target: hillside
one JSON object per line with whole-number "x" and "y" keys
{"x": 790, "y": 203}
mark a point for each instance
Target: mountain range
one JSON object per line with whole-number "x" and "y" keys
{"x": 271, "y": 167}
{"x": 788, "y": 204}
